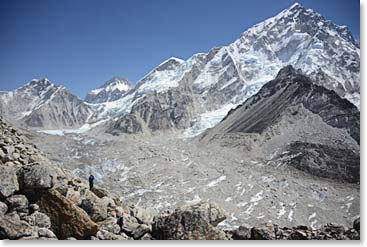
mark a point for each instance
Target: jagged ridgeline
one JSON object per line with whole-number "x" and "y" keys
{"x": 40, "y": 201}
{"x": 196, "y": 94}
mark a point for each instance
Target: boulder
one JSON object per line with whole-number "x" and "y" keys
{"x": 8, "y": 181}
{"x": 2, "y": 154}
{"x": 46, "y": 233}
{"x": 67, "y": 219}
{"x": 352, "y": 234}
{"x": 141, "y": 230}
{"x": 147, "y": 236}
{"x": 110, "y": 224}
{"x": 8, "y": 140}
{"x": 74, "y": 196}
{"x": 242, "y": 233}
{"x": 265, "y": 232}
{"x": 18, "y": 203}
{"x": 144, "y": 216}
{"x": 3, "y": 208}
{"x": 190, "y": 222}
{"x": 39, "y": 219}
{"x": 94, "y": 206}
{"x": 11, "y": 227}
{"x": 99, "y": 192}
{"x": 8, "y": 149}
{"x": 128, "y": 223}
{"x": 37, "y": 176}
{"x": 33, "y": 208}
{"x": 298, "y": 235}
{"x": 106, "y": 235}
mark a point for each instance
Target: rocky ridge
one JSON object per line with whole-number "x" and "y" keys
{"x": 293, "y": 121}
{"x": 42, "y": 105}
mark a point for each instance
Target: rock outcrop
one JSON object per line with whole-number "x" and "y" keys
{"x": 311, "y": 128}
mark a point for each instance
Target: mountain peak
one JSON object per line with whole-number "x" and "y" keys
{"x": 296, "y": 5}
{"x": 41, "y": 81}
{"x": 169, "y": 64}
{"x": 287, "y": 71}
{"x": 111, "y": 90}
{"x": 116, "y": 80}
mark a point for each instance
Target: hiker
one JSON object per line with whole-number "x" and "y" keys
{"x": 91, "y": 179}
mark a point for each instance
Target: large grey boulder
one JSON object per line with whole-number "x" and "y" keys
{"x": 128, "y": 223}
{"x": 94, "y": 206}
{"x": 8, "y": 181}
{"x": 110, "y": 224}
{"x": 18, "y": 203}
{"x": 38, "y": 176}
{"x": 39, "y": 219}
{"x": 144, "y": 216}
{"x": 190, "y": 222}
{"x": 11, "y": 227}
{"x": 242, "y": 233}
{"x": 141, "y": 230}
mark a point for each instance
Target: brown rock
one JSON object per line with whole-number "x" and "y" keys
{"x": 67, "y": 219}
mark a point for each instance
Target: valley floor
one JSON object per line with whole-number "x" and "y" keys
{"x": 164, "y": 170}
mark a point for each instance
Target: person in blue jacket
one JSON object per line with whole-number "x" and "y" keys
{"x": 91, "y": 181}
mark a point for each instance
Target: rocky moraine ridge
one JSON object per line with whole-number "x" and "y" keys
{"x": 39, "y": 200}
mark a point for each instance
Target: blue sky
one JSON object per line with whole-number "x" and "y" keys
{"x": 83, "y": 43}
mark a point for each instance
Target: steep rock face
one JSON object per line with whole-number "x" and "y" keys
{"x": 166, "y": 110}
{"x": 112, "y": 90}
{"x": 41, "y": 104}
{"x": 293, "y": 115}
{"x": 63, "y": 111}
{"x": 226, "y": 76}
{"x": 325, "y": 161}
{"x": 129, "y": 124}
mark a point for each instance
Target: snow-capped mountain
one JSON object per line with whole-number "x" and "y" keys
{"x": 112, "y": 90}
{"x": 208, "y": 85}
{"x": 41, "y": 104}
{"x": 197, "y": 93}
